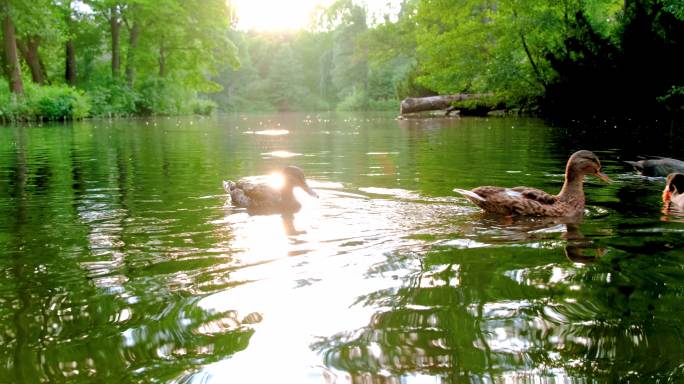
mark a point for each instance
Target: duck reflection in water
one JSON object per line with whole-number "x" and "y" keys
{"x": 265, "y": 199}
{"x": 578, "y": 248}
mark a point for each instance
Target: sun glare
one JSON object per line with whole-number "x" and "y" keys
{"x": 273, "y": 15}
{"x": 276, "y": 180}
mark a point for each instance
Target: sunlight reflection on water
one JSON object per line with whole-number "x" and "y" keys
{"x": 288, "y": 275}
{"x": 281, "y": 154}
{"x": 272, "y": 132}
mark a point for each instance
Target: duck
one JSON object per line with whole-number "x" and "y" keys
{"x": 526, "y": 201}
{"x": 263, "y": 199}
{"x": 673, "y": 194}
{"x": 658, "y": 167}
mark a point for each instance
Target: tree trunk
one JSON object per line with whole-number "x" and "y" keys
{"x": 11, "y": 58}
{"x": 431, "y": 103}
{"x": 537, "y": 72}
{"x": 41, "y": 64}
{"x": 70, "y": 72}
{"x": 29, "y": 50}
{"x": 70, "y": 50}
{"x": 115, "y": 24}
{"x": 133, "y": 34}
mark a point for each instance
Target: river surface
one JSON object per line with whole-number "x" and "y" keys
{"x": 121, "y": 262}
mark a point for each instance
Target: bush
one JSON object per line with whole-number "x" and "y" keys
{"x": 162, "y": 96}
{"x": 14, "y": 109}
{"x": 673, "y": 100}
{"x": 383, "y": 105}
{"x": 49, "y": 102}
{"x": 310, "y": 102}
{"x": 57, "y": 102}
{"x": 114, "y": 98}
{"x": 202, "y": 107}
{"x": 355, "y": 101}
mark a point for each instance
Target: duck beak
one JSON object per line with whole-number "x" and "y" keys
{"x": 308, "y": 190}
{"x": 602, "y": 176}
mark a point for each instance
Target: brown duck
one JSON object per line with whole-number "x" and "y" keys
{"x": 263, "y": 199}
{"x": 527, "y": 201}
{"x": 673, "y": 195}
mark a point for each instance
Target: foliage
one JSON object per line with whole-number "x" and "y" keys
{"x": 356, "y": 100}
{"x": 629, "y": 72}
{"x": 202, "y": 107}
{"x": 673, "y": 100}
{"x": 170, "y": 51}
{"x": 58, "y": 102}
{"x": 557, "y": 53}
{"x": 332, "y": 68}
{"x": 51, "y": 102}
{"x": 114, "y": 98}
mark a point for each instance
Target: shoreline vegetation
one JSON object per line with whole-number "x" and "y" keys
{"x": 68, "y": 60}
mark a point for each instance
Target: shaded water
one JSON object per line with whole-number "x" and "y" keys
{"x": 120, "y": 262}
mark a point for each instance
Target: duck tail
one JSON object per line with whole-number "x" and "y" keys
{"x": 228, "y": 185}
{"x": 469, "y": 194}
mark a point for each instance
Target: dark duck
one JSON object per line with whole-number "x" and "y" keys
{"x": 526, "y": 201}
{"x": 657, "y": 167}
{"x": 264, "y": 199}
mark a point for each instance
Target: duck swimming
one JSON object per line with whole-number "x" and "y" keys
{"x": 263, "y": 199}
{"x": 526, "y": 201}
{"x": 659, "y": 167}
{"x": 673, "y": 195}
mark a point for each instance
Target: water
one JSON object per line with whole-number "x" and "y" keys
{"x": 120, "y": 262}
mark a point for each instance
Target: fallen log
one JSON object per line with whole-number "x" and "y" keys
{"x": 431, "y": 103}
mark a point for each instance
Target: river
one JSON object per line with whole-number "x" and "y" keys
{"x": 120, "y": 260}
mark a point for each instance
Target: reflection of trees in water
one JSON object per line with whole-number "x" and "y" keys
{"x": 87, "y": 310}
{"x": 518, "y": 312}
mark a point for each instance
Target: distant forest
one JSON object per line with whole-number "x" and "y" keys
{"x": 72, "y": 59}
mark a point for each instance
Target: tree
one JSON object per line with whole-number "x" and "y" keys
{"x": 633, "y": 66}
{"x": 115, "y": 32}
{"x": 285, "y": 79}
{"x": 186, "y": 40}
{"x": 37, "y": 24}
{"x": 70, "y": 51}
{"x": 392, "y": 55}
{"x": 13, "y": 67}
{"x": 132, "y": 21}
{"x": 350, "y": 60}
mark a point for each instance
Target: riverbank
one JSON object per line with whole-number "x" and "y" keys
{"x": 113, "y": 99}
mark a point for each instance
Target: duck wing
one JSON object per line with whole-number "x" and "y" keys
{"x": 525, "y": 193}
{"x": 536, "y": 195}
{"x": 260, "y": 193}
{"x": 516, "y": 201}
{"x": 255, "y": 197}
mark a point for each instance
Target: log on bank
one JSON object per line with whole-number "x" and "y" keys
{"x": 432, "y": 103}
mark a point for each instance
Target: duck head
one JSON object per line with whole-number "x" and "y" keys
{"x": 294, "y": 177}
{"x": 583, "y": 163}
{"x": 674, "y": 185}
